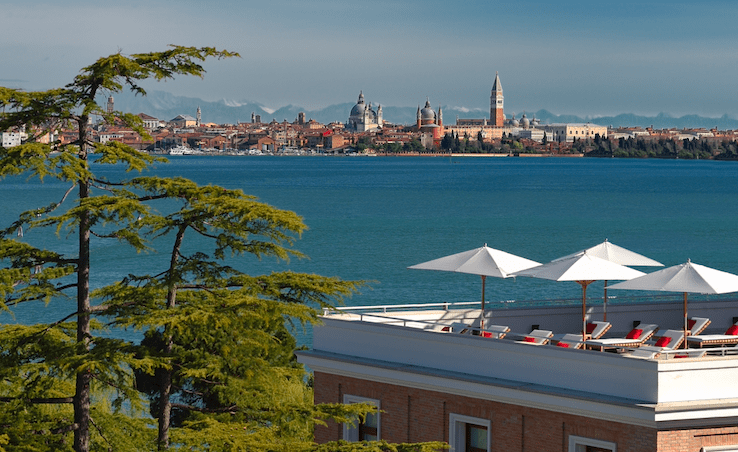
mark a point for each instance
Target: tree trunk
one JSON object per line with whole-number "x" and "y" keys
{"x": 82, "y": 393}
{"x": 165, "y": 380}
{"x": 165, "y": 410}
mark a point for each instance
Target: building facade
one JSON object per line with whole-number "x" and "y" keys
{"x": 567, "y": 133}
{"x": 363, "y": 117}
{"x": 482, "y": 394}
{"x": 429, "y": 124}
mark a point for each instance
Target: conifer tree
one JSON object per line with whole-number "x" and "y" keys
{"x": 216, "y": 364}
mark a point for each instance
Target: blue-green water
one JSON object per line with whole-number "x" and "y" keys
{"x": 370, "y": 218}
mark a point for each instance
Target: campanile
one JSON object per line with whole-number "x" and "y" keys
{"x": 496, "y": 104}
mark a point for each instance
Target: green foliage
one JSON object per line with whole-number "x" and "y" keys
{"x": 666, "y": 149}
{"x": 216, "y": 368}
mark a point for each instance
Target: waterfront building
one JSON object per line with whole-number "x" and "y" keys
{"x": 567, "y": 133}
{"x": 429, "y": 124}
{"x": 363, "y": 117}
{"x": 11, "y": 139}
{"x": 149, "y": 122}
{"x": 183, "y": 121}
{"x": 439, "y": 374}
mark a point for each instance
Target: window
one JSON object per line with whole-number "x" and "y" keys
{"x": 469, "y": 434}
{"x": 580, "y": 444}
{"x": 362, "y": 431}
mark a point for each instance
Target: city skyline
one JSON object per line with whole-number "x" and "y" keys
{"x": 569, "y": 57}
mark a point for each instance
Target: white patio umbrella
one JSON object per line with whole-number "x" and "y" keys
{"x": 584, "y": 269}
{"x": 619, "y": 255}
{"x": 685, "y": 278}
{"x": 484, "y": 261}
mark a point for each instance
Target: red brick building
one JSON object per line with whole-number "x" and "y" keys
{"x": 495, "y": 395}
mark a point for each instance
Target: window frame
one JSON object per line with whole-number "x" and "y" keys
{"x": 351, "y": 432}
{"x": 575, "y": 441}
{"x": 457, "y": 431}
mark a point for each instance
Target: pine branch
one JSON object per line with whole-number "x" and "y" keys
{"x": 40, "y": 400}
{"x": 99, "y": 430}
{"x": 233, "y": 409}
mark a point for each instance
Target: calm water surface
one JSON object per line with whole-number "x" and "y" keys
{"x": 370, "y": 218}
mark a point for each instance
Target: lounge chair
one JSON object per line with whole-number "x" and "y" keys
{"x": 730, "y": 337}
{"x": 635, "y": 338}
{"x": 596, "y": 330}
{"x": 537, "y": 337}
{"x": 696, "y": 325}
{"x": 670, "y": 340}
{"x": 494, "y": 331}
{"x": 573, "y": 341}
{"x": 688, "y": 353}
{"x": 460, "y": 328}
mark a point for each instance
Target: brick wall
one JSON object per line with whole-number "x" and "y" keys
{"x": 416, "y": 415}
{"x": 694, "y": 439}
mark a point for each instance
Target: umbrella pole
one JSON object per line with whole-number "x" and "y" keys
{"x": 481, "y": 323}
{"x": 685, "y": 319}
{"x": 584, "y": 308}
{"x": 604, "y": 319}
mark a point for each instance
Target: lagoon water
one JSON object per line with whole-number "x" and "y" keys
{"x": 370, "y": 218}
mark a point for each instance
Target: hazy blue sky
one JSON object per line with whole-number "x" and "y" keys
{"x": 579, "y": 57}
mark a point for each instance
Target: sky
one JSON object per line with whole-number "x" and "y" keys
{"x": 589, "y": 58}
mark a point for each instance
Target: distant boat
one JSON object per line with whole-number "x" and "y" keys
{"x": 181, "y": 150}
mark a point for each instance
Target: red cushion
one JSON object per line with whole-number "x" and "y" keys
{"x": 681, "y": 356}
{"x": 635, "y": 333}
{"x": 591, "y": 327}
{"x": 445, "y": 328}
{"x": 529, "y": 339}
{"x": 486, "y": 334}
{"x": 732, "y": 331}
{"x": 562, "y": 344}
{"x": 691, "y": 323}
{"x": 663, "y": 341}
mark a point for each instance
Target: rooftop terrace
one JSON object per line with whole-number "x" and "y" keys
{"x": 420, "y": 346}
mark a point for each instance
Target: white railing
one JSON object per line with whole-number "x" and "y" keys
{"x": 517, "y": 304}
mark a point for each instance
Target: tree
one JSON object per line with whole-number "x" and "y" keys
{"x": 447, "y": 142}
{"x": 45, "y": 112}
{"x": 239, "y": 391}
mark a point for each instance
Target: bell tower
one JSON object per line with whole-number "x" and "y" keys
{"x": 496, "y": 104}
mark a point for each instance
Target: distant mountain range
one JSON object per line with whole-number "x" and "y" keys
{"x": 166, "y": 106}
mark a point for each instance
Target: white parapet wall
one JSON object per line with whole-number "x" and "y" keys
{"x": 580, "y": 371}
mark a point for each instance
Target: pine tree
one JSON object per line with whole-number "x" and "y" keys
{"x": 216, "y": 364}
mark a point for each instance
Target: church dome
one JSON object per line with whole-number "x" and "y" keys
{"x": 358, "y": 109}
{"x": 515, "y": 122}
{"x": 427, "y": 112}
{"x": 524, "y": 121}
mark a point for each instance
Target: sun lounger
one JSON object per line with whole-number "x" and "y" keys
{"x": 537, "y": 337}
{"x": 635, "y": 338}
{"x": 670, "y": 340}
{"x": 494, "y": 331}
{"x": 573, "y": 341}
{"x": 460, "y": 328}
{"x": 596, "y": 330}
{"x": 688, "y": 353}
{"x": 730, "y": 337}
{"x": 696, "y": 325}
